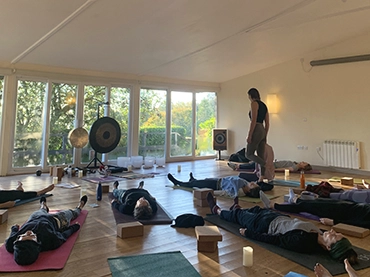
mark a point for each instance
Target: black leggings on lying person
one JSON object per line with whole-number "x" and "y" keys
{"x": 12, "y": 195}
{"x": 346, "y": 212}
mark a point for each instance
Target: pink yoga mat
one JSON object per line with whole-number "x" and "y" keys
{"x": 54, "y": 259}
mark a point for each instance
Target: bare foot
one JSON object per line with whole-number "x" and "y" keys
{"x": 45, "y": 190}
{"x": 351, "y": 272}
{"x": 20, "y": 186}
{"x": 321, "y": 271}
{"x": 366, "y": 185}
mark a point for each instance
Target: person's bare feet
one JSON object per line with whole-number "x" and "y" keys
{"x": 321, "y": 271}
{"x": 351, "y": 272}
{"x": 366, "y": 185}
{"x": 20, "y": 186}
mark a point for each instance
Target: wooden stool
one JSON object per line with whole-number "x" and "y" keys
{"x": 207, "y": 238}
{"x": 3, "y": 216}
{"x": 200, "y": 196}
{"x": 130, "y": 229}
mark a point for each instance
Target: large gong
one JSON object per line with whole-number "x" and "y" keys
{"x": 104, "y": 135}
{"x": 78, "y": 137}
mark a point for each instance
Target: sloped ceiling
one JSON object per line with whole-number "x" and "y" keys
{"x": 196, "y": 40}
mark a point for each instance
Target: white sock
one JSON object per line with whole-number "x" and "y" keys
{"x": 265, "y": 199}
{"x": 291, "y": 196}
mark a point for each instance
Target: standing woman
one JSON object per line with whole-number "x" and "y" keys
{"x": 258, "y": 129}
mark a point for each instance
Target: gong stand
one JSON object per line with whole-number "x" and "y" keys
{"x": 96, "y": 159}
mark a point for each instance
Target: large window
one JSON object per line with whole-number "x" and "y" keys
{"x": 181, "y": 123}
{"x": 152, "y": 132}
{"x": 94, "y": 96}
{"x": 29, "y": 123}
{"x": 62, "y": 118}
{"x": 119, "y": 110}
{"x": 205, "y": 122}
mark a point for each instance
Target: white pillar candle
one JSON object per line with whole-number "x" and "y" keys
{"x": 55, "y": 180}
{"x": 80, "y": 174}
{"x": 247, "y": 256}
{"x": 129, "y": 168}
{"x": 286, "y": 173}
{"x": 178, "y": 168}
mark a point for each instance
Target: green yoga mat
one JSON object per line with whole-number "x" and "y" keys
{"x": 355, "y": 180}
{"x": 152, "y": 265}
{"x": 306, "y": 260}
{"x": 242, "y": 198}
{"x": 289, "y": 183}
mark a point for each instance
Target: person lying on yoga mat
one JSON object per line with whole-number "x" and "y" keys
{"x": 42, "y": 232}
{"x": 137, "y": 202}
{"x": 232, "y": 185}
{"x": 278, "y": 165}
{"x": 272, "y": 227}
{"x": 8, "y": 197}
{"x": 330, "y": 211}
{"x": 321, "y": 271}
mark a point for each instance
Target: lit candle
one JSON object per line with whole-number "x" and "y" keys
{"x": 286, "y": 173}
{"x": 55, "y": 180}
{"x": 178, "y": 168}
{"x": 247, "y": 256}
{"x": 129, "y": 168}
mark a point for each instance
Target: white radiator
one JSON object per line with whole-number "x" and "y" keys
{"x": 342, "y": 153}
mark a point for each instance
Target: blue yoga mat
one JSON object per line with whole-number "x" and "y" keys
{"x": 20, "y": 202}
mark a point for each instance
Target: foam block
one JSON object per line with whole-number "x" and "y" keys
{"x": 201, "y": 193}
{"x": 351, "y": 230}
{"x": 203, "y": 202}
{"x": 348, "y": 181}
{"x": 207, "y": 238}
{"x": 105, "y": 189}
{"x": 3, "y": 216}
{"x": 58, "y": 172}
{"x": 130, "y": 229}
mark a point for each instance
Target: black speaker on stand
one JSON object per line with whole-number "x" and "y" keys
{"x": 219, "y": 141}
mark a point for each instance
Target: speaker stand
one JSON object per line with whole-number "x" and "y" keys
{"x": 219, "y": 156}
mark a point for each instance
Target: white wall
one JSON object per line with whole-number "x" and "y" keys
{"x": 316, "y": 103}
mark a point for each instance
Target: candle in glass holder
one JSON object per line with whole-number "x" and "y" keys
{"x": 247, "y": 256}
{"x": 286, "y": 173}
{"x": 55, "y": 180}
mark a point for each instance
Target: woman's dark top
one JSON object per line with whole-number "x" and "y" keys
{"x": 262, "y": 111}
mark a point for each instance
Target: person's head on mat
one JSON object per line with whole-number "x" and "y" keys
{"x": 26, "y": 248}
{"x": 252, "y": 190}
{"x": 143, "y": 210}
{"x": 339, "y": 247}
{"x": 304, "y": 166}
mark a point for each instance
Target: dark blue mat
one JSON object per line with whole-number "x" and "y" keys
{"x": 20, "y": 202}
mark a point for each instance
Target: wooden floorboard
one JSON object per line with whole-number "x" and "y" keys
{"x": 97, "y": 240}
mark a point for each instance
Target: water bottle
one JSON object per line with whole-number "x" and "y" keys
{"x": 302, "y": 181}
{"x": 99, "y": 192}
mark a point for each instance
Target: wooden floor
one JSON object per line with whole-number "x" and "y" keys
{"x": 97, "y": 240}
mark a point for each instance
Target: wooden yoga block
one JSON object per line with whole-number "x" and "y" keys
{"x": 58, "y": 172}
{"x": 348, "y": 181}
{"x": 207, "y": 238}
{"x": 130, "y": 229}
{"x": 351, "y": 230}
{"x": 201, "y": 193}
{"x": 105, "y": 188}
{"x": 3, "y": 216}
{"x": 203, "y": 202}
